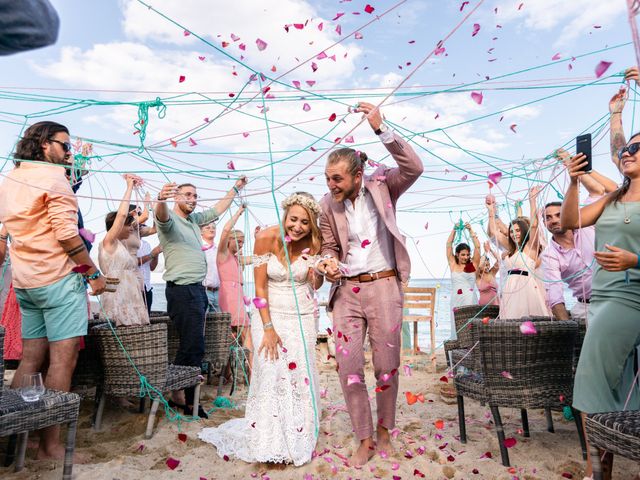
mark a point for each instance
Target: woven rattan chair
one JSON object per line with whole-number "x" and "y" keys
{"x": 539, "y": 371}
{"x": 89, "y": 371}
{"x": 146, "y": 348}
{"x": 20, "y": 417}
{"x": 457, "y": 351}
{"x": 217, "y": 343}
{"x": 615, "y": 432}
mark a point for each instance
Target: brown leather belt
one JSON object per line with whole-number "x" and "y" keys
{"x": 370, "y": 277}
{"x": 211, "y": 289}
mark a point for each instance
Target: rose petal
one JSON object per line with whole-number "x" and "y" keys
{"x": 407, "y": 370}
{"x": 88, "y": 235}
{"x": 476, "y": 29}
{"x": 507, "y": 375}
{"x": 260, "y": 302}
{"x": 182, "y": 437}
{"x": 513, "y": 127}
{"x": 230, "y": 165}
{"x": 495, "y": 177}
{"x": 172, "y": 463}
{"x": 528, "y": 328}
{"x": 81, "y": 268}
{"x": 444, "y": 379}
{"x": 365, "y": 243}
{"x": 355, "y": 289}
{"x": 332, "y": 117}
{"x": 601, "y": 68}
{"x": 181, "y": 78}
{"x": 439, "y": 424}
{"x": 352, "y": 379}
{"x": 192, "y": 142}
{"x": 509, "y": 442}
{"x": 287, "y": 239}
{"x": 261, "y": 44}
{"x": 306, "y": 107}
{"x": 292, "y": 365}
{"x": 246, "y": 300}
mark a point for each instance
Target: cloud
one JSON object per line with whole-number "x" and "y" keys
{"x": 573, "y": 18}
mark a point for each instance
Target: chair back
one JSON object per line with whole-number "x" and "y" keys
{"x": 217, "y": 339}
{"x": 89, "y": 370}
{"x": 419, "y": 298}
{"x": 145, "y": 345}
{"x": 527, "y": 371}
{"x": 465, "y": 314}
{"x": 173, "y": 339}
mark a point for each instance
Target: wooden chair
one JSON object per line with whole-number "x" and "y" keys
{"x": 421, "y": 298}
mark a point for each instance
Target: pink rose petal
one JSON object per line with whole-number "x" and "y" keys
{"x": 509, "y": 442}
{"x": 601, "y": 68}
{"x": 528, "y": 328}
{"x": 181, "y": 78}
{"x": 355, "y": 289}
{"x": 192, "y": 142}
{"x": 365, "y": 243}
{"x": 230, "y": 165}
{"x": 495, "y": 177}
{"x": 368, "y": 8}
{"x": 261, "y": 44}
{"x": 477, "y": 97}
{"x": 507, "y": 375}
{"x": 358, "y": 36}
{"x": 513, "y": 127}
{"x": 260, "y": 302}
{"x": 88, "y": 235}
{"x": 306, "y": 107}
{"x": 407, "y": 370}
{"x": 245, "y": 134}
{"x": 246, "y": 300}
{"x": 556, "y": 57}
{"x": 348, "y": 139}
{"x": 352, "y": 379}
{"x": 476, "y": 29}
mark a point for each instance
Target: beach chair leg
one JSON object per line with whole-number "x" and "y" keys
{"x": 525, "y": 422}
{"x": 11, "y": 450}
{"x": 547, "y": 414}
{"x": 143, "y": 404}
{"x": 577, "y": 417}
{"x": 97, "y": 425}
{"x": 22, "y": 450}
{"x": 68, "y": 452}
{"x": 152, "y": 418}
{"x": 500, "y": 430}
{"x": 596, "y": 465}
{"x": 432, "y": 334}
{"x": 461, "y": 419}
{"x": 196, "y": 401}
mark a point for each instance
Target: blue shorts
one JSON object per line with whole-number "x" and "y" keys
{"x": 56, "y": 312}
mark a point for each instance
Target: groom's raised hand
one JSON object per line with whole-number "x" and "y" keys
{"x": 371, "y": 113}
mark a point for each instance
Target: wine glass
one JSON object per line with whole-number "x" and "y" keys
{"x": 32, "y": 387}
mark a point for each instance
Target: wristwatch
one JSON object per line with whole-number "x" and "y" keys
{"x": 381, "y": 129}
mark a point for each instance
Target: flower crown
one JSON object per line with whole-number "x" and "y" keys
{"x": 302, "y": 200}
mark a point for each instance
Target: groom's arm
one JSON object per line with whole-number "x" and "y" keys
{"x": 409, "y": 168}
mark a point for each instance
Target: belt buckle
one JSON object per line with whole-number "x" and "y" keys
{"x": 375, "y": 276}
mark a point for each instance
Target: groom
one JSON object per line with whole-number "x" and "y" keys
{"x": 359, "y": 229}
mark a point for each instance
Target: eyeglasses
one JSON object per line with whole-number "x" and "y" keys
{"x": 66, "y": 146}
{"x": 632, "y": 149}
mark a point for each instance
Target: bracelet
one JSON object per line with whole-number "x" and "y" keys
{"x": 236, "y": 190}
{"x": 94, "y": 275}
{"x": 268, "y": 326}
{"x": 638, "y": 264}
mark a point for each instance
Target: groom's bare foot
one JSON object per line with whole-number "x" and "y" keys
{"x": 383, "y": 441}
{"x": 363, "y": 453}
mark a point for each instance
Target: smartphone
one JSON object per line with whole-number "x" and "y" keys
{"x": 583, "y": 145}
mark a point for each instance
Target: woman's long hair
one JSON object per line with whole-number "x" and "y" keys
{"x": 524, "y": 236}
{"x": 30, "y": 145}
{"x": 626, "y": 182}
{"x": 316, "y": 235}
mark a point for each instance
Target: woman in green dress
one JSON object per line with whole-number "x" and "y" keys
{"x": 605, "y": 376}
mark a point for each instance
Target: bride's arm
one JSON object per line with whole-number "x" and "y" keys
{"x": 270, "y": 341}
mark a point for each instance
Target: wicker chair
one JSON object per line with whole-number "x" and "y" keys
{"x": 146, "y": 347}
{"x": 20, "y": 417}
{"x": 457, "y": 351}
{"x": 615, "y": 432}
{"x": 540, "y": 366}
{"x": 89, "y": 371}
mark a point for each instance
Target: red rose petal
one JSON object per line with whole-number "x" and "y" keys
{"x": 510, "y": 442}
{"x": 292, "y": 365}
{"x": 332, "y": 117}
{"x": 182, "y": 437}
{"x": 172, "y": 463}
{"x": 181, "y": 78}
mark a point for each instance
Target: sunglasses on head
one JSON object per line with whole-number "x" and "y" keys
{"x": 66, "y": 146}
{"x": 632, "y": 149}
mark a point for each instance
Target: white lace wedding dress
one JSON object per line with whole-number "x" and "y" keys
{"x": 282, "y": 411}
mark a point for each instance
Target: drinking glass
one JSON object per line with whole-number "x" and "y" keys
{"x": 32, "y": 387}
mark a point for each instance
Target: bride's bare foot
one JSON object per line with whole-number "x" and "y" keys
{"x": 363, "y": 453}
{"x": 383, "y": 441}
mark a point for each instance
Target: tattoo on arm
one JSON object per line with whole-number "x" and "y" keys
{"x": 75, "y": 250}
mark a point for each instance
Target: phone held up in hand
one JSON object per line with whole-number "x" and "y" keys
{"x": 583, "y": 145}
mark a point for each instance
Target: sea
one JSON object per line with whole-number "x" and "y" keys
{"x": 442, "y": 307}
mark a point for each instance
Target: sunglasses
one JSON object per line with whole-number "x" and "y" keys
{"x": 66, "y": 146}
{"x": 632, "y": 149}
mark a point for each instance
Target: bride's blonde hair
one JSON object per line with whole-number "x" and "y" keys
{"x": 306, "y": 201}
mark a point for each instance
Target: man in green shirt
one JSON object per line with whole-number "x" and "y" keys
{"x": 186, "y": 268}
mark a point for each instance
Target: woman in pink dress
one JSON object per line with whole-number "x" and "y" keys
{"x": 231, "y": 295}
{"x": 486, "y": 278}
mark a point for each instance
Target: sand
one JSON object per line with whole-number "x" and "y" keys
{"x": 120, "y": 451}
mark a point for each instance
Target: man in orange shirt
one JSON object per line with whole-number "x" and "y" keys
{"x": 40, "y": 212}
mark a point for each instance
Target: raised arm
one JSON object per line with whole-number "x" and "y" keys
{"x": 595, "y": 183}
{"x": 225, "y": 202}
{"x": 475, "y": 258}
{"x": 111, "y": 237}
{"x": 616, "y": 106}
{"x": 449, "y": 248}
{"x": 571, "y": 215}
{"x": 169, "y": 190}
{"x": 535, "y": 220}
{"x": 223, "y": 246}
{"x": 494, "y": 229}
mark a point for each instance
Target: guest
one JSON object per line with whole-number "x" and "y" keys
{"x": 10, "y": 317}
{"x": 185, "y": 270}
{"x": 125, "y": 306}
{"x": 523, "y": 293}
{"x": 463, "y": 268}
{"x": 568, "y": 258}
{"x": 605, "y": 374}
{"x": 40, "y": 212}
{"x": 231, "y": 294}
{"x": 486, "y": 277}
{"x": 212, "y": 280}
{"x": 147, "y": 263}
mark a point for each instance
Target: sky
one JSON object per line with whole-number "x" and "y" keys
{"x": 202, "y": 60}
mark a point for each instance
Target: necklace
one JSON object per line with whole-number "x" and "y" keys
{"x": 627, "y": 220}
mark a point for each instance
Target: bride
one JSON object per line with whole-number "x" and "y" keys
{"x": 282, "y": 413}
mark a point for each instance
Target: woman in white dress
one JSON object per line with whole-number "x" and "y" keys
{"x": 463, "y": 268}
{"x": 282, "y": 414}
{"x": 126, "y": 305}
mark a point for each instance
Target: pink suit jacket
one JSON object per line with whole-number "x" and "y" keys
{"x": 385, "y": 194}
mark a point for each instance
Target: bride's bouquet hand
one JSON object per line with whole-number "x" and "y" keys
{"x": 270, "y": 342}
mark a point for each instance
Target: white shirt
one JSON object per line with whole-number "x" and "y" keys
{"x": 365, "y": 224}
{"x": 212, "y": 279}
{"x": 145, "y": 268}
